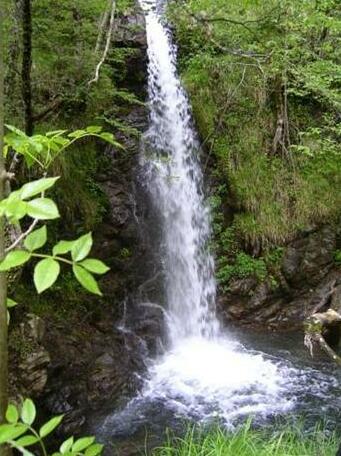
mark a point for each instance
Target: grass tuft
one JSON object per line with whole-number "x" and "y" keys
{"x": 249, "y": 442}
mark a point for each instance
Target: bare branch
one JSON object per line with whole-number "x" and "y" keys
{"x": 315, "y": 327}
{"x": 103, "y": 23}
{"x": 107, "y": 45}
{"x": 22, "y": 236}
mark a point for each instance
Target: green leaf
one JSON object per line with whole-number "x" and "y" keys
{"x": 42, "y": 209}
{"x": 28, "y": 412}
{"x": 14, "y": 259}
{"x": 10, "y": 303}
{"x": 63, "y": 247}
{"x": 95, "y": 266}
{"x": 82, "y": 247}
{"x": 86, "y": 280}
{"x": 50, "y": 426}
{"x": 77, "y": 134}
{"x": 109, "y": 137}
{"x": 16, "y": 131}
{"x": 94, "y": 450}
{"x": 12, "y": 414}
{"x": 14, "y": 209}
{"x": 27, "y": 440}
{"x": 36, "y": 187}
{"x": 11, "y": 431}
{"x": 25, "y": 452}
{"x": 46, "y": 273}
{"x": 36, "y": 240}
{"x": 94, "y": 129}
{"x": 82, "y": 443}
{"x": 66, "y": 446}
{"x": 55, "y": 133}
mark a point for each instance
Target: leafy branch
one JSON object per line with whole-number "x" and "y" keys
{"x": 20, "y": 434}
{"x": 43, "y": 150}
{"x": 17, "y": 206}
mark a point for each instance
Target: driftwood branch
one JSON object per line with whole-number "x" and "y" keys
{"x": 315, "y": 329}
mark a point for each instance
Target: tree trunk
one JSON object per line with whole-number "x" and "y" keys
{"x": 3, "y": 279}
{"x": 12, "y": 71}
{"x": 27, "y": 66}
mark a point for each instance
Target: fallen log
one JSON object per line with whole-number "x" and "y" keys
{"x": 321, "y": 326}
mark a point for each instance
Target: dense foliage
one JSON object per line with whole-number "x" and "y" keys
{"x": 66, "y": 46}
{"x": 264, "y": 81}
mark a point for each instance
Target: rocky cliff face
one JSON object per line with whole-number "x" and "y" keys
{"x": 308, "y": 281}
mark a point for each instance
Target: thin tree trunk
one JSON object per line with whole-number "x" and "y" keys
{"x": 12, "y": 72}
{"x": 103, "y": 23}
{"x": 107, "y": 44}
{"x": 3, "y": 279}
{"x": 27, "y": 66}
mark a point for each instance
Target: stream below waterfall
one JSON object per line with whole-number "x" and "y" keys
{"x": 207, "y": 374}
{"x": 216, "y": 386}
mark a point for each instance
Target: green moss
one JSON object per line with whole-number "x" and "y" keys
{"x": 66, "y": 299}
{"x": 82, "y": 200}
{"x": 337, "y": 257}
{"x": 21, "y": 346}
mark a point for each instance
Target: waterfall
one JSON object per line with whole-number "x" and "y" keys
{"x": 205, "y": 373}
{"x": 174, "y": 179}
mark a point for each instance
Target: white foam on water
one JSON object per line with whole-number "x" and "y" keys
{"x": 203, "y": 378}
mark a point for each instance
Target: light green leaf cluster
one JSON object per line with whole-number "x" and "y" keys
{"x": 42, "y": 150}
{"x": 47, "y": 270}
{"x": 20, "y": 434}
{"x": 19, "y": 203}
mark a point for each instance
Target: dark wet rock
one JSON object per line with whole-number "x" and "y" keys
{"x": 307, "y": 280}
{"x": 33, "y": 370}
{"x": 309, "y": 259}
{"x": 243, "y": 287}
{"x": 29, "y": 359}
{"x": 130, "y": 29}
{"x": 336, "y": 299}
{"x": 92, "y": 366}
{"x": 148, "y": 322}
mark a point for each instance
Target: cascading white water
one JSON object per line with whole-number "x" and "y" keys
{"x": 175, "y": 182}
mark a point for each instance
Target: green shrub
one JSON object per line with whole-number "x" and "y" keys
{"x": 244, "y": 266}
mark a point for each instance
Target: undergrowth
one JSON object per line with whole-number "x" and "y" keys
{"x": 243, "y": 64}
{"x": 248, "y": 442}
